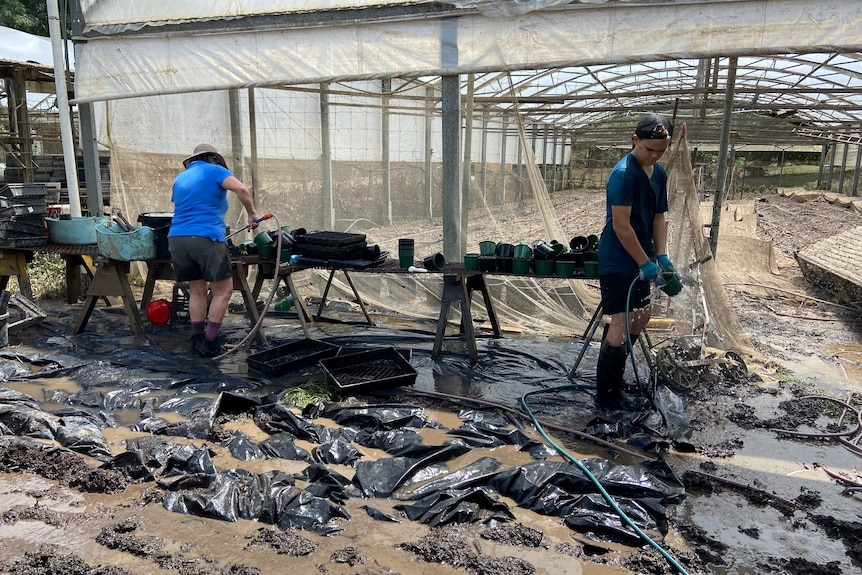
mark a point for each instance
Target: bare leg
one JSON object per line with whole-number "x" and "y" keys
{"x": 198, "y": 300}
{"x": 222, "y": 290}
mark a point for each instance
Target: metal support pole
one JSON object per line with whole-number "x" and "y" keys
{"x": 63, "y": 108}
{"x": 723, "y": 145}
{"x": 467, "y": 168}
{"x": 384, "y": 143}
{"x": 483, "y": 162}
{"x": 855, "y": 190}
{"x": 843, "y": 168}
{"x": 252, "y": 129}
{"x": 451, "y": 88}
{"x": 429, "y": 125}
{"x": 326, "y": 158}
{"x": 503, "y": 162}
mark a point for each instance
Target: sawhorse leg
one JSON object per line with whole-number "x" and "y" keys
{"x": 14, "y": 263}
{"x": 240, "y": 282}
{"x": 111, "y": 278}
{"x": 455, "y": 289}
{"x": 591, "y": 331}
{"x": 74, "y": 263}
{"x": 301, "y": 309}
{"x": 355, "y": 293}
{"x": 156, "y": 270}
{"x": 587, "y": 337}
{"x": 477, "y": 283}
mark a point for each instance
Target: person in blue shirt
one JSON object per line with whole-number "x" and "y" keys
{"x": 635, "y": 234}
{"x": 198, "y": 243}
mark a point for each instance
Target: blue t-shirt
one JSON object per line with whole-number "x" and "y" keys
{"x": 628, "y": 185}
{"x": 200, "y": 203}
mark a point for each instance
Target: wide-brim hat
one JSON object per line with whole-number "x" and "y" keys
{"x": 202, "y": 150}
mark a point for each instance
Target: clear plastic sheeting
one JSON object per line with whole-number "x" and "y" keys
{"x": 416, "y": 44}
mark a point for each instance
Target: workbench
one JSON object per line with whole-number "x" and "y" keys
{"x": 459, "y": 284}
{"x": 14, "y": 261}
{"x": 109, "y": 278}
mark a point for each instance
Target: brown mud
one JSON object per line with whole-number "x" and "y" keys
{"x": 761, "y": 497}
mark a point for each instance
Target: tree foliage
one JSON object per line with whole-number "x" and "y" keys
{"x": 29, "y": 15}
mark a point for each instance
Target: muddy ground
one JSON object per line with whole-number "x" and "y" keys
{"x": 759, "y": 497}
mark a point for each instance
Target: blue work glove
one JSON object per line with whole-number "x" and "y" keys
{"x": 664, "y": 263}
{"x": 648, "y": 270}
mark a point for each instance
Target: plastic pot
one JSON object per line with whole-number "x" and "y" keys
{"x": 471, "y": 261}
{"x": 521, "y": 266}
{"x": 487, "y": 248}
{"x": 544, "y": 267}
{"x": 434, "y": 262}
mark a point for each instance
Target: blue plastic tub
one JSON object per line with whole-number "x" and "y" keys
{"x": 115, "y": 244}
{"x": 75, "y": 230}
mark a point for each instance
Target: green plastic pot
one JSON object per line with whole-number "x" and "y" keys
{"x": 263, "y": 239}
{"x": 471, "y": 261}
{"x": 520, "y": 266}
{"x": 565, "y": 269}
{"x": 544, "y": 267}
{"x": 487, "y": 248}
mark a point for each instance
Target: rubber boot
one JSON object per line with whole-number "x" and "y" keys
{"x": 609, "y": 376}
{"x": 610, "y": 368}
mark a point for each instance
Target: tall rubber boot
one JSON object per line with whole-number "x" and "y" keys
{"x": 610, "y": 368}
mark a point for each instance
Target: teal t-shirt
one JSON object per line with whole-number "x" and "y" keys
{"x": 200, "y": 203}
{"x": 628, "y": 185}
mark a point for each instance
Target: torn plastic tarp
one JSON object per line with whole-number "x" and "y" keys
{"x": 75, "y": 428}
{"x": 270, "y": 497}
{"x": 381, "y": 477}
{"x": 439, "y": 489}
{"x": 456, "y": 506}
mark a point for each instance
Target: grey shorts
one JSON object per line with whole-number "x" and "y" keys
{"x": 198, "y": 257}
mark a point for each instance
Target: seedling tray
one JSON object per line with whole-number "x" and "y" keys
{"x": 291, "y": 356}
{"x": 328, "y": 252}
{"x": 331, "y": 239}
{"x": 338, "y": 264}
{"x": 369, "y": 371}
{"x": 19, "y": 190}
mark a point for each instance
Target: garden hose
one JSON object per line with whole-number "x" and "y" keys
{"x": 254, "y": 329}
{"x": 607, "y": 496}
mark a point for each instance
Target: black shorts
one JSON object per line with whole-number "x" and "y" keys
{"x": 198, "y": 257}
{"x": 615, "y": 294}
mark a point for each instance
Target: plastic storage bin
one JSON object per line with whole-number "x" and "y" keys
{"x": 115, "y": 244}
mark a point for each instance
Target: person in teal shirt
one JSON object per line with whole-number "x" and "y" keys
{"x": 635, "y": 234}
{"x": 198, "y": 243}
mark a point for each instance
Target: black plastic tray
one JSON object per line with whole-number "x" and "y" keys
{"x": 18, "y": 190}
{"x": 290, "y": 356}
{"x": 330, "y": 252}
{"x": 368, "y": 371}
{"x": 341, "y": 264}
{"x": 330, "y": 239}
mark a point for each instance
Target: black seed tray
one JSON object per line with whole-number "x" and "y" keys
{"x": 330, "y": 239}
{"x": 23, "y": 210}
{"x": 18, "y": 190}
{"x": 28, "y": 242}
{"x": 369, "y": 371}
{"x": 291, "y": 356}
{"x": 343, "y": 253}
{"x": 339, "y": 264}
{"x": 26, "y": 226}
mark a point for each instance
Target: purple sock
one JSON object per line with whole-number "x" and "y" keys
{"x": 198, "y": 327}
{"x": 212, "y": 331}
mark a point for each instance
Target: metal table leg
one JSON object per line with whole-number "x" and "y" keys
{"x": 587, "y": 337}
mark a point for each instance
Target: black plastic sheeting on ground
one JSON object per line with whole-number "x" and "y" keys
{"x": 434, "y": 490}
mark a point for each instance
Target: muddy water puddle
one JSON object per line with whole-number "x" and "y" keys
{"x": 37, "y": 511}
